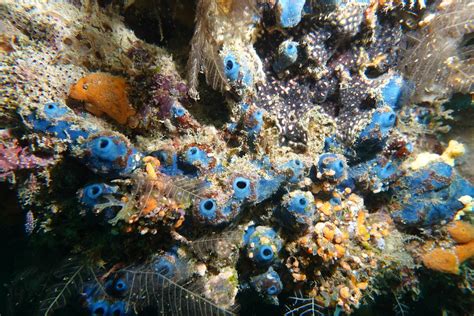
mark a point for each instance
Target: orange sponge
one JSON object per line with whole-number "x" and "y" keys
{"x": 441, "y": 260}
{"x": 104, "y": 93}
{"x": 448, "y": 261}
{"x": 464, "y": 252}
{"x": 461, "y": 232}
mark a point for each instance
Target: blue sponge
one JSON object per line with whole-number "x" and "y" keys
{"x": 194, "y": 155}
{"x": 262, "y": 244}
{"x": 99, "y": 308}
{"x": 296, "y": 211}
{"x": 119, "y": 308}
{"x": 231, "y": 67}
{"x": 331, "y": 167}
{"x": 209, "y": 212}
{"x": 105, "y": 148}
{"x": 90, "y": 195}
{"x": 177, "y": 110}
{"x": 296, "y": 169}
{"x": 118, "y": 285}
{"x": 374, "y": 175}
{"x": 287, "y": 56}
{"x": 381, "y": 124}
{"x": 300, "y": 204}
{"x": 241, "y": 187}
{"x": 373, "y": 137}
{"x": 166, "y": 265}
{"x": 169, "y": 162}
{"x": 110, "y": 155}
{"x": 393, "y": 92}
{"x": 266, "y": 187}
{"x": 58, "y": 120}
{"x": 254, "y": 124}
{"x": 289, "y": 12}
{"x": 53, "y": 110}
{"x": 268, "y": 285}
{"x": 429, "y": 196}
{"x": 207, "y": 208}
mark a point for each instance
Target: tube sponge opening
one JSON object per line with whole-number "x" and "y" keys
{"x": 105, "y": 148}
{"x": 207, "y": 208}
{"x": 287, "y": 55}
{"x": 332, "y": 167}
{"x": 178, "y": 111}
{"x": 382, "y": 122}
{"x": 264, "y": 254}
{"x": 296, "y": 211}
{"x": 54, "y": 110}
{"x": 99, "y": 308}
{"x": 111, "y": 155}
{"x": 299, "y": 204}
{"x": 93, "y": 191}
{"x": 231, "y": 67}
{"x": 90, "y": 194}
{"x": 268, "y": 283}
{"x": 241, "y": 188}
{"x": 296, "y": 168}
{"x": 195, "y": 155}
{"x": 118, "y": 309}
{"x": 262, "y": 244}
{"x": 272, "y": 290}
{"x": 121, "y": 286}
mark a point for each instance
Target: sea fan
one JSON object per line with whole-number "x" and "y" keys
{"x": 147, "y": 286}
{"x": 204, "y": 51}
{"x": 399, "y": 308}
{"x": 171, "y": 295}
{"x": 439, "y": 57}
{"x": 180, "y": 189}
{"x": 72, "y": 276}
{"x": 304, "y": 306}
{"x": 206, "y": 44}
{"x": 24, "y": 287}
{"x": 109, "y": 201}
{"x": 183, "y": 190}
{"x": 221, "y": 245}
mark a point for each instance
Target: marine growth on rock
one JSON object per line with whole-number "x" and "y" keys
{"x": 318, "y": 177}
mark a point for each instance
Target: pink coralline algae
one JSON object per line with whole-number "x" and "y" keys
{"x": 165, "y": 90}
{"x": 13, "y": 157}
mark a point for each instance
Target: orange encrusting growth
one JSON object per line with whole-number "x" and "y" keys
{"x": 104, "y": 93}
{"x": 441, "y": 260}
{"x": 448, "y": 261}
{"x": 150, "y": 205}
{"x": 462, "y": 232}
{"x": 362, "y": 232}
{"x": 465, "y": 251}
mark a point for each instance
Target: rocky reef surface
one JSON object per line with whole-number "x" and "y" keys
{"x": 300, "y": 161}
